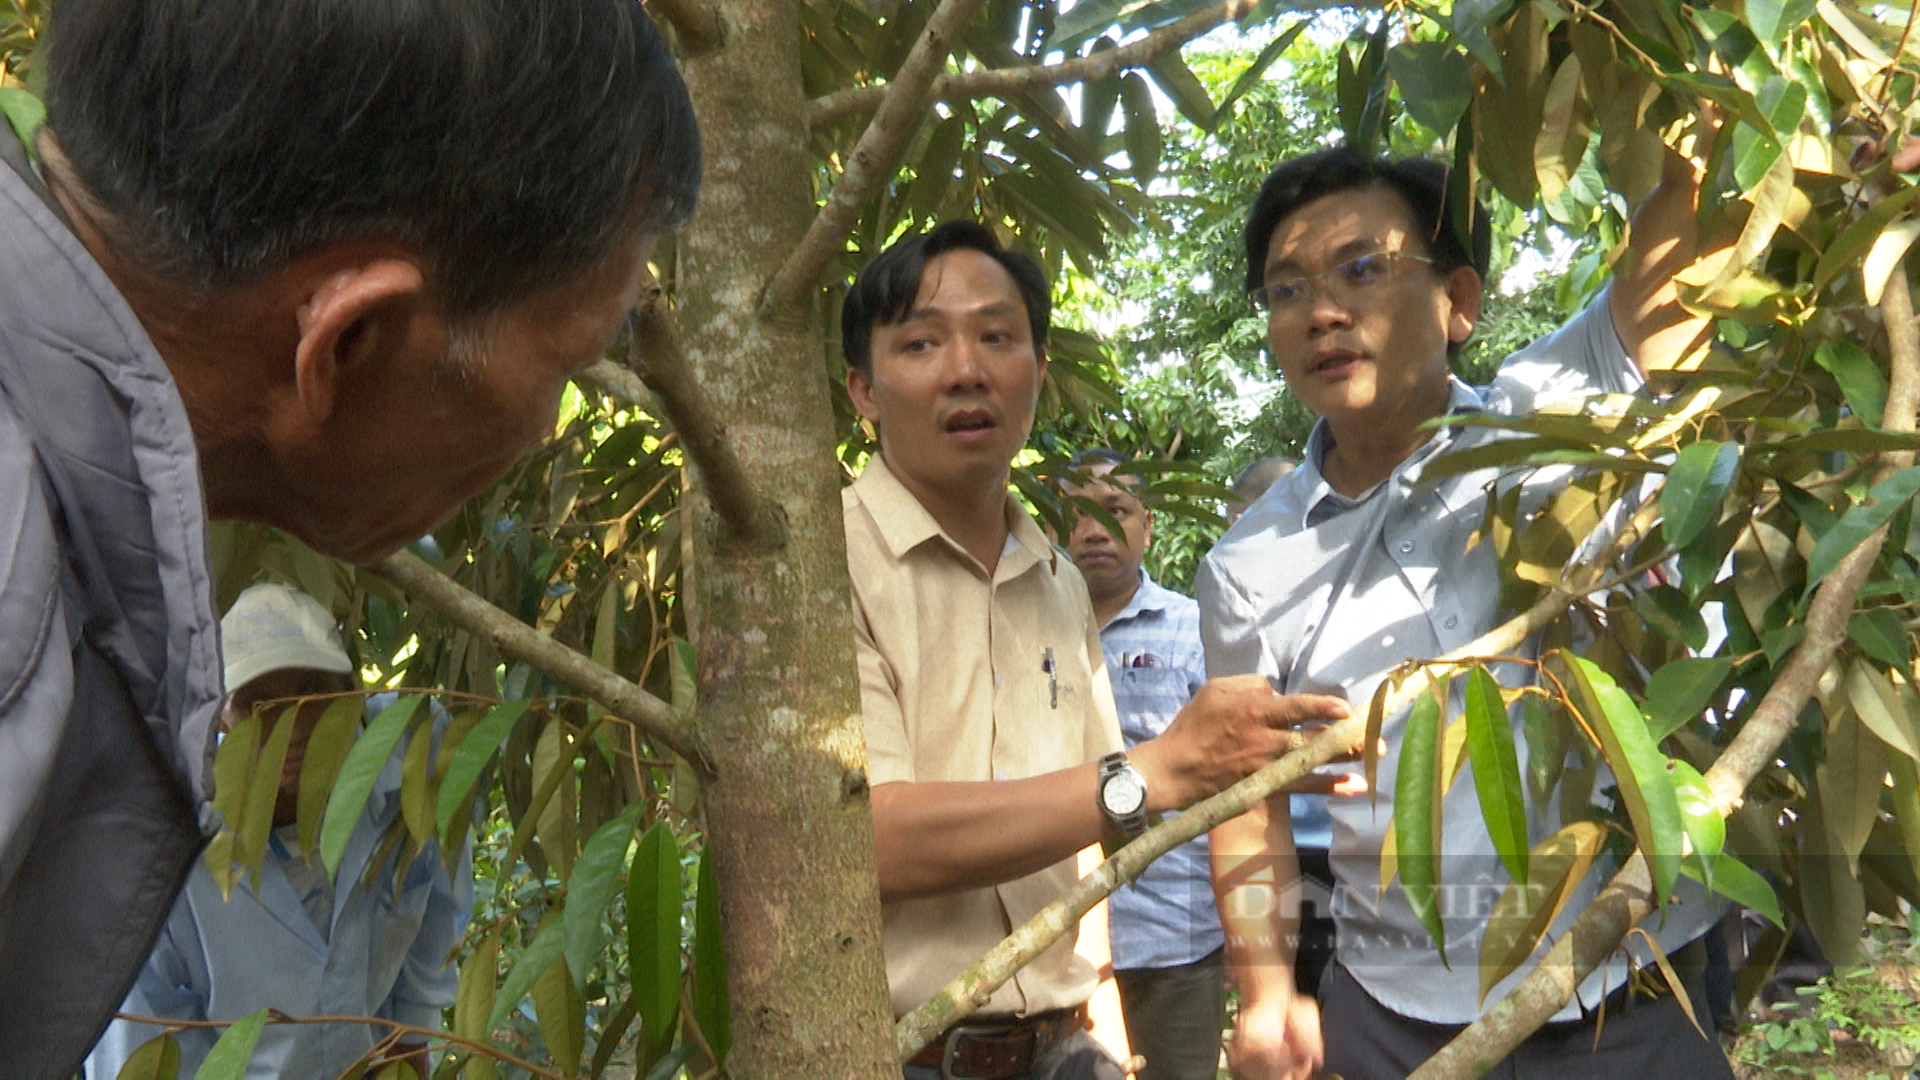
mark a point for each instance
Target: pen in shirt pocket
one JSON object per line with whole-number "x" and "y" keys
{"x": 1053, "y": 678}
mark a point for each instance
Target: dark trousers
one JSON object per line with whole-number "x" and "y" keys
{"x": 1076, "y": 1057}
{"x": 1174, "y": 1016}
{"x": 1645, "y": 1039}
{"x": 1313, "y": 950}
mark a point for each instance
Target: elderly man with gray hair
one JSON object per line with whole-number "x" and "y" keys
{"x": 322, "y": 264}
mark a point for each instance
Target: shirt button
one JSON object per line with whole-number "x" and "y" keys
{"x": 1406, "y": 547}
{"x": 1453, "y": 621}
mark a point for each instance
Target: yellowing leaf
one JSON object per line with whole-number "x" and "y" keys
{"x": 1526, "y": 910}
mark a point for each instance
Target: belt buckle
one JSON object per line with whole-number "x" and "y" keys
{"x": 961, "y": 1031}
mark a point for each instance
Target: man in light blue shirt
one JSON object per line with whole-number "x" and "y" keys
{"x": 1167, "y": 943}
{"x": 1354, "y": 563}
{"x": 306, "y": 944}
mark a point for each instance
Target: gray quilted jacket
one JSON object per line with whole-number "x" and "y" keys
{"x": 109, "y": 646}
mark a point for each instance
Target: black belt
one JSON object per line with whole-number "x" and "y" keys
{"x": 999, "y": 1049}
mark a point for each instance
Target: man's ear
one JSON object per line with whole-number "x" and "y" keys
{"x": 860, "y": 389}
{"x": 1464, "y": 293}
{"x": 351, "y": 316}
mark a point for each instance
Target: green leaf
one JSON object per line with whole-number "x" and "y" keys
{"x": 1417, "y": 815}
{"x": 1435, "y": 82}
{"x": 1905, "y": 794}
{"x": 1771, "y": 20}
{"x": 1736, "y": 881}
{"x": 1881, "y": 635}
{"x": 1847, "y": 440}
{"x": 475, "y": 751}
{"x": 1496, "y": 771}
{"x": 156, "y": 1059}
{"x": 1883, "y": 709}
{"x": 473, "y": 1002}
{"x": 592, "y": 884}
{"x": 1527, "y": 908}
{"x": 1850, "y": 781}
{"x": 1679, "y": 692}
{"x": 327, "y": 747}
{"x": 232, "y": 771}
{"x": 1860, "y": 379}
{"x": 1667, "y": 610}
{"x": 1142, "y": 128}
{"x": 1886, "y": 499}
{"x": 1831, "y": 898}
{"x": 666, "y": 1067}
{"x": 1817, "y": 516}
{"x": 1251, "y": 77}
{"x": 24, "y": 111}
{"x": 561, "y": 1015}
{"x": 653, "y": 936}
{"x": 1546, "y": 747}
{"x": 1696, "y": 485}
{"x": 229, "y": 1057}
{"x": 416, "y": 790}
{"x": 1706, "y": 829}
{"x": 539, "y": 955}
{"x": 1854, "y": 241}
{"x": 357, "y": 775}
{"x": 1639, "y": 768}
{"x": 1179, "y": 82}
{"x": 263, "y": 792}
{"x": 711, "y": 1009}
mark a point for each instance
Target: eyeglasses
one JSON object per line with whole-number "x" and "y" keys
{"x": 1344, "y": 283}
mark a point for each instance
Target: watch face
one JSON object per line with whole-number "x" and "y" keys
{"x": 1123, "y": 794}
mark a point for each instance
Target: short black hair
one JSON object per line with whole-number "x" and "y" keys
{"x": 1095, "y": 455}
{"x": 1422, "y": 183}
{"x": 514, "y": 144}
{"x": 885, "y": 289}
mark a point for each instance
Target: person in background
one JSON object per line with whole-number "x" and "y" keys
{"x": 992, "y": 747}
{"x": 1253, "y": 481}
{"x": 364, "y": 942}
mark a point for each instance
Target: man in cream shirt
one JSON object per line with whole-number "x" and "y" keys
{"x": 992, "y": 744}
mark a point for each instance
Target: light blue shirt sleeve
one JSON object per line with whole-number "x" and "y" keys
{"x": 427, "y": 983}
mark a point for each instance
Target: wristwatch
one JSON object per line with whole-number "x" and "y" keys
{"x": 1123, "y": 795}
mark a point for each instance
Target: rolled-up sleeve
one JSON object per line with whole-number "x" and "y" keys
{"x": 889, "y": 754}
{"x": 1583, "y": 357}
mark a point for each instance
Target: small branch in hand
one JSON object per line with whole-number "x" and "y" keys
{"x": 515, "y": 639}
{"x": 903, "y": 105}
{"x": 961, "y": 997}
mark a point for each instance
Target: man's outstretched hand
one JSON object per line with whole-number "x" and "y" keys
{"x": 1230, "y": 729}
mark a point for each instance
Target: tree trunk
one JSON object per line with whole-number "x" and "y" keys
{"x": 791, "y": 828}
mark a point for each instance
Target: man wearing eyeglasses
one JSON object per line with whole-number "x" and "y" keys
{"x": 1353, "y": 563}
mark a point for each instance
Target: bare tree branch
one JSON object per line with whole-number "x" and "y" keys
{"x": 697, "y": 25}
{"x": 903, "y": 105}
{"x": 454, "y": 602}
{"x": 973, "y": 987}
{"x": 999, "y": 82}
{"x": 622, "y": 382}
{"x": 1628, "y": 897}
{"x": 657, "y": 358}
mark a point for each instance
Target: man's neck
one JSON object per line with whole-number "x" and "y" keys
{"x": 975, "y": 516}
{"x": 1368, "y": 446}
{"x": 195, "y": 334}
{"x": 1112, "y": 597}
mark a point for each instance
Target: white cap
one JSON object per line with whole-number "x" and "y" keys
{"x": 273, "y": 627}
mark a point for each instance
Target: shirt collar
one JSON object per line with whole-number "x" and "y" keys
{"x": 1461, "y": 398}
{"x": 1149, "y": 597}
{"x": 905, "y": 524}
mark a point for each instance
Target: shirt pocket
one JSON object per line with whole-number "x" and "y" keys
{"x": 1147, "y": 699}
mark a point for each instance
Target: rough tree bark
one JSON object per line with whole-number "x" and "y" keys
{"x": 790, "y": 828}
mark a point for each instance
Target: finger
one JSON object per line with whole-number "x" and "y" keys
{"x": 1293, "y": 710}
{"x": 1315, "y": 784}
{"x": 1350, "y": 785}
